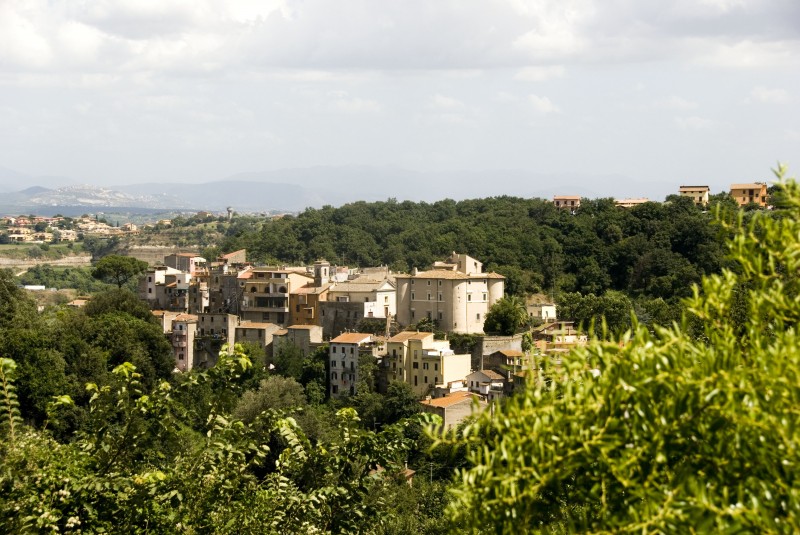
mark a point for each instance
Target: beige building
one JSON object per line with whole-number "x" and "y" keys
{"x": 266, "y": 291}
{"x": 747, "y": 193}
{"x": 454, "y": 408}
{"x": 343, "y": 353}
{"x": 456, "y": 294}
{"x": 306, "y": 337}
{"x": 256, "y": 333}
{"x": 570, "y": 202}
{"x": 416, "y": 358}
{"x": 184, "y": 330}
{"x": 698, "y": 194}
{"x": 188, "y": 262}
{"x": 630, "y": 203}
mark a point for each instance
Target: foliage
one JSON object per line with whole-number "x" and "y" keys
{"x": 118, "y": 269}
{"x": 506, "y": 317}
{"x": 79, "y": 279}
{"x": 660, "y": 431}
{"x": 136, "y": 470}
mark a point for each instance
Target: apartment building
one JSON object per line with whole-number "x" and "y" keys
{"x": 182, "y": 337}
{"x": 343, "y": 354}
{"x": 266, "y": 291}
{"x": 569, "y": 202}
{"x": 698, "y": 194}
{"x": 188, "y": 262}
{"x": 456, "y": 294}
{"x": 416, "y": 358}
{"x": 755, "y": 192}
{"x": 307, "y": 338}
{"x": 260, "y": 334}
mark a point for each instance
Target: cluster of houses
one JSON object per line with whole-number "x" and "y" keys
{"x": 204, "y": 305}
{"x": 743, "y": 194}
{"x": 37, "y": 229}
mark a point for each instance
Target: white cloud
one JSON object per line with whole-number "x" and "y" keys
{"x": 693, "y": 123}
{"x": 676, "y": 103}
{"x": 540, "y": 74}
{"x": 748, "y": 54}
{"x": 770, "y": 96}
{"x": 543, "y": 105}
{"x": 344, "y": 103}
{"x": 445, "y": 103}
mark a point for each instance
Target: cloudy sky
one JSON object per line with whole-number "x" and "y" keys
{"x": 660, "y": 91}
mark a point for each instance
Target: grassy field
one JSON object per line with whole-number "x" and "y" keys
{"x": 21, "y": 251}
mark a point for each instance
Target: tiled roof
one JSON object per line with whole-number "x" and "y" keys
{"x": 186, "y": 317}
{"x": 310, "y": 289}
{"x": 449, "y": 400}
{"x": 693, "y": 188}
{"x": 568, "y": 197}
{"x": 281, "y": 332}
{"x": 358, "y": 287}
{"x": 511, "y": 353}
{"x": 409, "y": 335}
{"x": 233, "y": 253}
{"x": 493, "y": 375}
{"x": 306, "y": 327}
{"x": 351, "y": 338}
{"x": 448, "y": 274}
{"x": 754, "y": 185}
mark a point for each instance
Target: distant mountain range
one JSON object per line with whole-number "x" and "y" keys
{"x": 293, "y": 190}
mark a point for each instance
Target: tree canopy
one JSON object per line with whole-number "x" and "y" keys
{"x": 118, "y": 269}
{"x": 658, "y": 430}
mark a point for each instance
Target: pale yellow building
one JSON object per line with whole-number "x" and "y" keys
{"x": 630, "y": 203}
{"x": 698, "y": 194}
{"x": 421, "y": 361}
{"x": 570, "y": 202}
{"x": 747, "y": 193}
{"x": 456, "y": 294}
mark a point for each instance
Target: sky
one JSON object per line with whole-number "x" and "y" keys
{"x": 662, "y": 92}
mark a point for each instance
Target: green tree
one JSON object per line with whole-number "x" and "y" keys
{"x": 118, "y": 269}
{"x": 661, "y": 431}
{"x": 507, "y": 316}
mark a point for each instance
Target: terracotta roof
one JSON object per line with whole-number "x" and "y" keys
{"x": 754, "y": 185}
{"x": 450, "y": 399}
{"x": 569, "y": 197}
{"x": 186, "y": 317}
{"x": 409, "y": 335}
{"x": 233, "y": 253}
{"x": 306, "y": 327}
{"x": 244, "y": 275}
{"x": 281, "y": 332}
{"x": 693, "y": 188}
{"x": 310, "y": 289}
{"x": 493, "y": 375}
{"x": 352, "y": 338}
{"x": 511, "y": 353}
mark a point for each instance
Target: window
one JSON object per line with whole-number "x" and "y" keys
{"x": 149, "y": 290}
{"x": 149, "y": 279}
{"x": 415, "y": 380}
{"x": 415, "y": 365}
{"x": 425, "y": 379}
{"x": 429, "y": 297}
{"x": 440, "y": 315}
{"x": 415, "y": 353}
{"x": 429, "y": 283}
{"x": 351, "y": 350}
{"x": 334, "y": 375}
{"x": 335, "y": 389}
{"x": 412, "y": 296}
{"x": 180, "y": 356}
{"x": 394, "y": 365}
{"x": 436, "y": 366}
{"x": 412, "y": 282}
{"x": 412, "y": 314}
{"x": 439, "y": 282}
{"x": 394, "y": 352}
{"x": 469, "y": 297}
{"x": 440, "y": 296}
{"x": 478, "y": 316}
{"x": 352, "y": 368}
{"x": 333, "y": 364}
{"x": 424, "y": 365}
{"x": 484, "y": 297}
{"x": 342, "y": 348}
{"x": 343, "y": 365}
